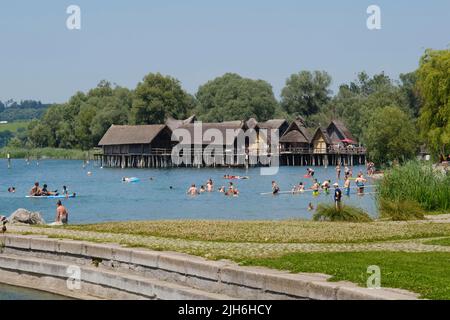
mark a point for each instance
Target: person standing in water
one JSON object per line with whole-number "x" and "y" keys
{"x": 210, "y": 185}
{"x": 347, "y": 186}
{"x": 360, "y": 181}
{"x": 338, "y": 171}
{"x": 192, "y": 191}
{"x": 275, "y": 188}
{"x": 62, "y": 215}
{"x": 337, "y": 196}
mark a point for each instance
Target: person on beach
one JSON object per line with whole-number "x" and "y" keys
{"x": 62, "y": 215}
{"x": 338, "y": 171}
{"x": 347, "y": 186}
{"x": 337, "y": 196}
{"x": 360, "y": 181}
{"x": 192, "y": 191}
{"x": 275, "y": 188}
{"x": 36, "y": 190}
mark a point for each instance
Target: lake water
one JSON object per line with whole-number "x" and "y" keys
{"x": 8, "y": 292}
{"x": 103, "y": 197}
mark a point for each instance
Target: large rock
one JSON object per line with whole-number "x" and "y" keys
{"x": 26, "y": 217}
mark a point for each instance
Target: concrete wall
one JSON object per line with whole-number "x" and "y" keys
{"x": 113, "y": 272}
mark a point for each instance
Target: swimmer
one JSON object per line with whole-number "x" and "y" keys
{"x": 11, "y": 189}
{"x": 202, "y": 189}
{"x": 192, "y": 191}
{"x": 310, "y": 207}
{"x": 275, "y": 188}
{"x": 222, "y": 189}
{"x": 315, "y": 188}
{"x": 360, "y": 181}
{"x": 210, "y": 185}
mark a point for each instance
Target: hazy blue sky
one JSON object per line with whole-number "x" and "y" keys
{"x": 197, "y": 40}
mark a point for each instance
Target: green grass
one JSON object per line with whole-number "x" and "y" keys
{"x": 14, "y": 126}
{"x": 290, "y": 231}
{"x": 439, "y": 242}
{"x": 44, "y": 153}
{"x": 424, "y": 273}
{"x": 419, "y": 182}
{"x": 329, "y": 212}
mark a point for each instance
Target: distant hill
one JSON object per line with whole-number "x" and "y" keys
{"x": 24, "y": 110}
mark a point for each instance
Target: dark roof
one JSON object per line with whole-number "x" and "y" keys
{"x": 296, "y": 133}
{"x": 221, "y": 127}
{"x": 342, "y": 129}
{"x": 143, "y": 134}
{"x": 174, "y": 123}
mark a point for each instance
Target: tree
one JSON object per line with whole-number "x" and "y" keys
{"x": 232, "y": 97}
{"x": 306, "y": 93}
{"x": 434, "y": 87}
{"x": 391, "y": 135}
{"x": 157, "y": 98}
{"x": 409, "y": 89}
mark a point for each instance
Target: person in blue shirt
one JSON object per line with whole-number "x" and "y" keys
{"x": 337, "y": 196}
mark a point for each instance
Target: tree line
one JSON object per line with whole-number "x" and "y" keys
{"x": 24, "y": 110}
{"x": 393, "y": 118}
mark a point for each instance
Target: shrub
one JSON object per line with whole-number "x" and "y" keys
{"x": 400, "y": 210}
{"x": 327, "y": 212}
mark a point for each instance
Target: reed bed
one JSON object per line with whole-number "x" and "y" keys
{"x": 417, "y": 182}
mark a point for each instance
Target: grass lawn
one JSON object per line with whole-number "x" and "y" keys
{"x": 440, "y": 242}
{"x": 291, "y": 231}
{"x": 424, "y": 273}
{"x": 14, "y": 126}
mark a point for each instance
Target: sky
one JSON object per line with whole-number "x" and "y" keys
{"x": 198, "y": 40}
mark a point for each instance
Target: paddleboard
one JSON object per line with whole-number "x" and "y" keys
{"x": 61, "y": 196}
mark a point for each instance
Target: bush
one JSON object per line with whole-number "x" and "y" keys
{"x": 400, "y": 210}
{"x": 346, "y": 213}
{"x": 416, "y": 182}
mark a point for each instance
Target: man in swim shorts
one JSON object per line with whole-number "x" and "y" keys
{"x": 337, "y": 196}
{"x": 62, "y": 215}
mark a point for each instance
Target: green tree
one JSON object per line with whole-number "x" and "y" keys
{"x": 434, "y": 87}
{"x": 306, "y": 93}
{"x": 232, "y": 97}
{"x": 157, "y": 98}
{"x": 391, "y": 135}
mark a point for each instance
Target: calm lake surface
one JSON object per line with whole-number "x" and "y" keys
{"x": 103, "y": 197}
{"x": 8, "y": 292}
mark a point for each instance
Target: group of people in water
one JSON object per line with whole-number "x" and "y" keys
{"x": 232, "y": 189}
{"x": 37, "y": 191}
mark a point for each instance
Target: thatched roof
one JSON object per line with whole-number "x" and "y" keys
{"x": 323, "y": 133}
{"x": 143, "y": 134}
{"x": 174, "y": 123}
{"x": 221, "y": 127}
{"x": 272, "y": 124}
{"x": 344, "y": 133}
{"x": 296, "y": 133}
